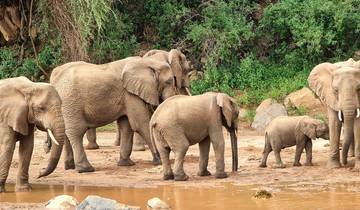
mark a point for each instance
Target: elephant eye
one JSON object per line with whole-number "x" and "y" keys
{"x": 40, "y": 108}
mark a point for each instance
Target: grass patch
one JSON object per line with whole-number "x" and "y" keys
{"x": 107, "y": 128}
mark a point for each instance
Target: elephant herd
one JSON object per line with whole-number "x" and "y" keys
{"x": 150, "y": 95}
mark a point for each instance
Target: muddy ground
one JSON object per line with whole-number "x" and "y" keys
{"x": 144, "y": 174}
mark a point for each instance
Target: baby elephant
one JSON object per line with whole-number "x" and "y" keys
{"x": 182, "y": 121}
{"x": 285, "y": 132}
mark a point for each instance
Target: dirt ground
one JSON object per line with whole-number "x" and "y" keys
{"x": 144, "y": 174}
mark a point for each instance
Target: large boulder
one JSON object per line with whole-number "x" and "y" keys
{"x": 157, "y": 204}
{"x": 94, "y": 202}
{"x": 304, "y": 98}
{"x": 62, "y": 202}
{"x": 267, "y": 111}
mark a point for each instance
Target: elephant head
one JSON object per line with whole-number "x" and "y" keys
{"x": 178, "y": 63}
{"x": 229, "y": 116}
{"x": 312, "y": 128}
{"x": 338, "y": 87}
{"x": 151, "y": 80}
{"x": 23, "y": 103}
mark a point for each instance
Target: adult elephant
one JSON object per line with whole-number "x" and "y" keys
{"x": 95, "y": 95}
{"x": 180, "y": 68}
{"x": 337, "y": 86}
{"x": 24, "y": 105}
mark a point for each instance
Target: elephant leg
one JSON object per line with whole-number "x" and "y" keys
{"x": 352, "y": 149}
{"x": 299, "y": 150}
{"x": 217, "y": 140}
{"x": 75, "y": 135}
{"x": 266, "y": 152}
{"x": 91, "y": 137}
{"x": 165, "y": 158}
{"x": 126, "y": 142}
{"x": 357, "y": 144}
{"x": 204, "y": 148}
{"x": 139, "y": 143}
{"x": 25, "y": 152}
{"x": 279, "y": 163}
{"x": 334, "y": 131}
{"x": 68, "y": 155}
{"x": 308, "y": 149}
{"x": 7, "y": 147}
{"x": 118, "y": 135}
{"x": 139, "y": 119}
{"x": 180, "y": 151}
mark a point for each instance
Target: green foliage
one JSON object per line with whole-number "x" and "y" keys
{"x": 250, "y": 115}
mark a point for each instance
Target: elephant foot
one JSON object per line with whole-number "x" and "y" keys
{"x": 85, "y": 169}
{"x": 23, "y": 188}
{"x": 204, "y": 173}
{"x": 168, "y": 176}
{"x": 221, "y": 175}
{"x": 181, "y": 177}
{"x": 69, "y": 164}
{"x": 2, "y": 188}
{"x": 279, "y": 165}
{"x": 156, "y": 160}
{"x": 333, "y": 164}
{"x": 262, "y": 165}
{"x": 309, "y": 164}
{"x": 298, "y": 164}
{"x": 139, "y": 147}
{"x": 92, "y": 146}
{"x": 125, "y": 162}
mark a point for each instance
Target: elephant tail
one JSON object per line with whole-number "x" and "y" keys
{"x": 153, "y": 137}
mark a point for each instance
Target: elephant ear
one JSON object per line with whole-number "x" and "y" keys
{"x": 13, "y": 106}
{"x": 227, "y": 105}
{"x": 177, "y": 63}
{"x": 319, "y": 80}
{"x": 307, "y": 127}
{"x": 141, "y": 78}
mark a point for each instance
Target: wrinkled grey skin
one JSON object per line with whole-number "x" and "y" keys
{"x": 182, "y": 121}
{"x": 286, "y": 131}
{"x": 24, "y": 105}
{"x": 337, "y": 86}
{"x": 180, "y": 68}
{"x": 96, "y": 95}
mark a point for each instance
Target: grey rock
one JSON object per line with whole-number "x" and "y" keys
{"x": 267, "y": 111}
{"x": 62, "y": 202}
{"x": 93, "y": 202}
{"x": 157, "y": 204}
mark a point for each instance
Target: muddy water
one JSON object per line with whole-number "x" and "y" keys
{"x": 224, "y": 196}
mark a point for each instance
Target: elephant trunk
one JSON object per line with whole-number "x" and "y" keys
{"x": 58, "y": 132}
{"x": 349, "y": 116}
{"x": 234, "y": 149}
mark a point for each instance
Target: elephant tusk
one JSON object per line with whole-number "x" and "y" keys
{"x": 357, "y": 112}
{"x": 188, "y": 91}
{"x": 339, "y": 116}
{"x": 52, "y": 137}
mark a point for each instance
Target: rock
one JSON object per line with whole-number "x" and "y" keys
{"x": 326, "y": 145}
{"x": 267, "y": 111}
{"x": 157, "y": 204}
{"x": 253, "y": 157}
{"x": 262, "y": 194}
{"x": 62, "y": 202}
{"x": 304, "y": 98}
{"x": 94, "y": 202}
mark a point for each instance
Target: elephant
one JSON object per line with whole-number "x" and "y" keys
{"x": 180, "y": 68}
{"x": 181, "y": 121}
{"x": 337, "y": 86}
{"x": 24, "y": 105}
{"x": 285, "y": 131}
{"x": 95, "y": 95}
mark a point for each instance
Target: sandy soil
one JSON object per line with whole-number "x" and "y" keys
{"x": 144, "y": 174}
